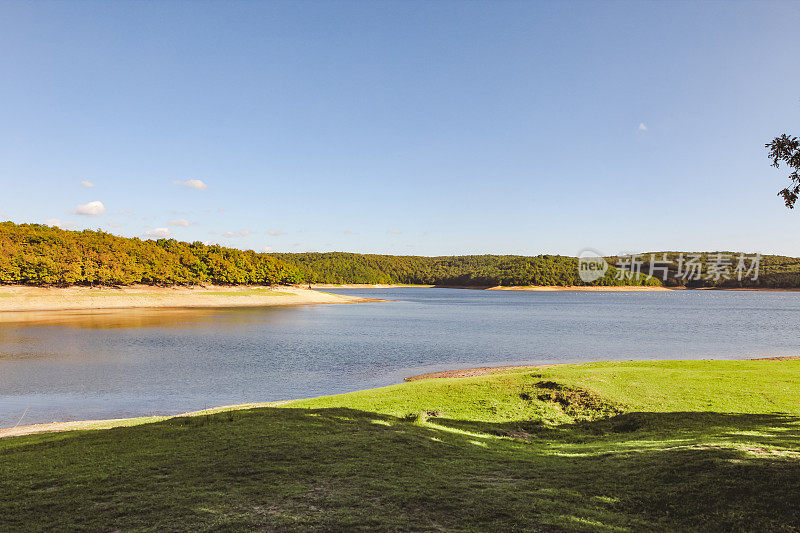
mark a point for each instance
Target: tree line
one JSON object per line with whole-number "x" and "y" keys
{"x": 466, "y": 270}
{"x": 43, "y": 255}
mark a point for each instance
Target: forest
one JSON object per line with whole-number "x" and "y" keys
{"x": 465, "y": 270}
{"x": 44, "y": 255}
{"x": 36, "y": 254}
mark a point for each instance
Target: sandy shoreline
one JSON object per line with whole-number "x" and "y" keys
{"x": 553, "y": 288}
{"x": 362, "y": 286}
{"x": 590, "y": 288}
{"x": 496, "y": 288}
{"x": 16, "y": 302}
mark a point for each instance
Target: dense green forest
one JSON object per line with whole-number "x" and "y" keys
{"x": 465, "y": 270}
{"x": 43, "y": 255}
{"x": 718, "y": 269}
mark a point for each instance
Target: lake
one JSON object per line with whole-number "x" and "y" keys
{"x": 130, "y": 363}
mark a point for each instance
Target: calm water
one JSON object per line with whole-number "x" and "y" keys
{"x": 123, "y": 364}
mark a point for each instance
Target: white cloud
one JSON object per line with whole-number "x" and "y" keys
{"x": 642, "y": 127}
{"x": 91, "y": 209}
{"x": 192, "y": 184}
{"x": 240, "y": 233}
{"x": 266, "y": 249}
{"x": 159, "y": 233}
{"x": 87, "y": 183}
{"x": 395, "y": 232}
{"x": 276, "y": 233}
{"x": 179, "y": 222}
{"x": 348, "y": 232}
{"x": 114, "y": 224}
{"x": 52, "y": 222}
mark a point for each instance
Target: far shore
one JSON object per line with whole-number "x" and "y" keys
{"x": 494, "y": 288}
{"x": 362, "y": 286}
{"x": 590, "y": 288}
{"x": 552, "y": 288}
{"x": 18, "y": 301}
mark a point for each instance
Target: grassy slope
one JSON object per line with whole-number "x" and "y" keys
{"x": 703, "y": 445}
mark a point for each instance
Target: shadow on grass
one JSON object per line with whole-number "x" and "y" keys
{"x": 344, "y": 469}
{"x": 773, "y": 430}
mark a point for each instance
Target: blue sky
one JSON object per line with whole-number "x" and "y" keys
{"x": 425, "y": 128}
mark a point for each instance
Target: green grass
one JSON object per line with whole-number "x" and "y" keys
{"x": 647, "y": 446}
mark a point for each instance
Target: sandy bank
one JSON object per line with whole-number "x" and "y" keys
{"x": 18, "y": 299}
{"x": 471, "y": 372}
{"x": 497, "y": 288}
{"x": 361, "y": 286}
{"x": 77, "y": 425}
{"x": 638, "y": 288}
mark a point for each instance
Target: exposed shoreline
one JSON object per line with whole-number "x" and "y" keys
{"x": 554, "y": 288}
{"x": 495, "y": 288}
{"x": 588, "y": 288}
{"x": 17, "y": 302}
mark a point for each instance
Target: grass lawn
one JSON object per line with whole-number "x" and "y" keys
{"x": 634, "y": 446}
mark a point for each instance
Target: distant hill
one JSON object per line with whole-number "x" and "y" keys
{"x": 43, "y": 255}
{"x": 463, "y": 270}
{"x": 719, "y": 269}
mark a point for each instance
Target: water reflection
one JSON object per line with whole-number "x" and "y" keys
{"x": 116, "y": 363}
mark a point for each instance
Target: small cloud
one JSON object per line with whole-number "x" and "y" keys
{"x": 192, "y": 184}
{"x": 348, "y": 232}
{"x": 158, "y": 233}
{"x": 87, "y": 183}
{"x": 276, "y": 233}
{"x": 240, "y": 233}
{"x": 222, "y": 209}
{"x": 179, "y": 222}
{"x": 395, "y": 232}
{"x": 114, "y": 224}
{"x": 266, "y": 249}
{"x": 642, "y": 127}
{"x": 125, "y": 212}
{"x": 52, "y": 222}
{"x": 91, "y": 209}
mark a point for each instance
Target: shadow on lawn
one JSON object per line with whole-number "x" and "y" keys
{"x": 773, "y": 430}
{"x": 344, "y": 469}
{"x": 643, "y": 470}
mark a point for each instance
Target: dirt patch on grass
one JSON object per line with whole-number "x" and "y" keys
{"x": 577, "y": 403}
{"x": 472, "y": 372}
{"x": 782, "y": 358}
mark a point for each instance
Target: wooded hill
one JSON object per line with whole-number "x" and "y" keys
{"x": 465, "y": 270}
{"x": 43, "y": 255}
